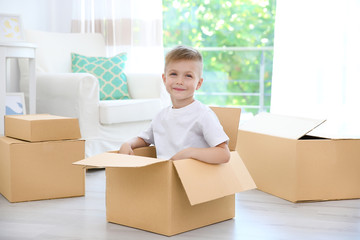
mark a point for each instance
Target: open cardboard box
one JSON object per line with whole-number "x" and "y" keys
{"x": 288, "y": 159}
{"x": 169, "y": 197}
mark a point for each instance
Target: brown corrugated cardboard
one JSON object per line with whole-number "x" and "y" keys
{"x": 204, "y": 182}
{"x": 287, "y": 160}
{"x": 169, "y": 197}
{"x": 41, "y": 127}
{"x": 41, "y": 170}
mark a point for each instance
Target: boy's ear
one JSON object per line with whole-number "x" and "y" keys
{"x": 164, "y": 78}
{"x": 199, "y": 83}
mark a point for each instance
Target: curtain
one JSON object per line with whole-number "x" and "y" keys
{"x": 316, "y": 62}
{"x": 132, "y": 26}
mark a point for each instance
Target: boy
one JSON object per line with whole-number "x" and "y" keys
{"x": 188, "y": 128}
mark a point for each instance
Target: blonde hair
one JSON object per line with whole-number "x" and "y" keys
{"x": 182, "y": 53}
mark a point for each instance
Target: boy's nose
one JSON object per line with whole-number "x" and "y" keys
{"x": 179, "y": 81}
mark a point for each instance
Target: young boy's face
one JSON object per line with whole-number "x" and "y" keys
{"x": 182, "y": 78}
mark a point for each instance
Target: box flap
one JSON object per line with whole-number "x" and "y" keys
{"x": 337, "y": 129}
{"x": 229, "y": 119}
{"x": 110, "y": 159}
{"x": 205, "y": 182}
{"x": 280, "y": 126}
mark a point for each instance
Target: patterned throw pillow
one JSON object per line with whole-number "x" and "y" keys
{"x": 109, "y": 72}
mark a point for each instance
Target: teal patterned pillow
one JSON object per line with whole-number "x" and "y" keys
{"x": 109, "y": 72}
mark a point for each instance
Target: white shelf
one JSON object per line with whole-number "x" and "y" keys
{"x": 16, "y": 50}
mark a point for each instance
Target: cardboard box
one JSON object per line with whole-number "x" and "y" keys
{"x": 42, "y": 170}
{"x": 169, "y": 197}
{"x": 41, "y": 127}
{"x": 288, "y": 159}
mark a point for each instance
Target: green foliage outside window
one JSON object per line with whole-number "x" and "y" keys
{"x": 225, "y": 23}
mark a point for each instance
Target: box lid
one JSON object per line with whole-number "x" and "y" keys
{"x": 202, "y": 182}
{"x": 280, "y": 126}
{"x": 34, "y": 117}
{"x": 205, "y": 182}
{"x": 41, "y": 127}
{"x": 112, "y": 159}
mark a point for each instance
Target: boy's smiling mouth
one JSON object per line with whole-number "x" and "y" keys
{"x": 178, "y": 89}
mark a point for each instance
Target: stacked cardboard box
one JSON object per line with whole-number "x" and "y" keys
{"x": 36, "y": 156}
{"x": 287, "y": 158}
{"x": 169, "y": 197}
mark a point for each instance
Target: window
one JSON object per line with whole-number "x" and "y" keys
{"x": 235, "y": 38}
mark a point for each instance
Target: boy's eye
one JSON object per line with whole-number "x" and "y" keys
{"x": 172, "y": 74}
{"x": 188, "y": 75}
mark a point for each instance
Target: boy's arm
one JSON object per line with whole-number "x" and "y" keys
{"x": 129, "y": 146}
{"x": 213, "y": 155}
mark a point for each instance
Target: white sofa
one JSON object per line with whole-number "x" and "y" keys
{"x": 105, "y": 125}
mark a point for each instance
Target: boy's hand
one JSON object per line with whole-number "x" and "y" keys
{"x": 126, "y": 149}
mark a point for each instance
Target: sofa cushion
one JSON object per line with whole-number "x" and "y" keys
{"x": 131, "y": 110}
{"x": 109, "y": 72}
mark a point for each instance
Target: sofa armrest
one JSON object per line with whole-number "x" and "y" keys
{"x": 71, "y": 95}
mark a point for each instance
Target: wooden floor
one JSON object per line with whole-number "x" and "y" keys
{"x": 258, "y": 216}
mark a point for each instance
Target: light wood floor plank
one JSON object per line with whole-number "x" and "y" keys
{"x": 258, "y": 216}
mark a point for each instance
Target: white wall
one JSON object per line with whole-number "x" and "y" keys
{"x": 44, "y": 15}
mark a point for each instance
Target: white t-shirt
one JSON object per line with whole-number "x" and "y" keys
{"x": 173, "y": 130}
